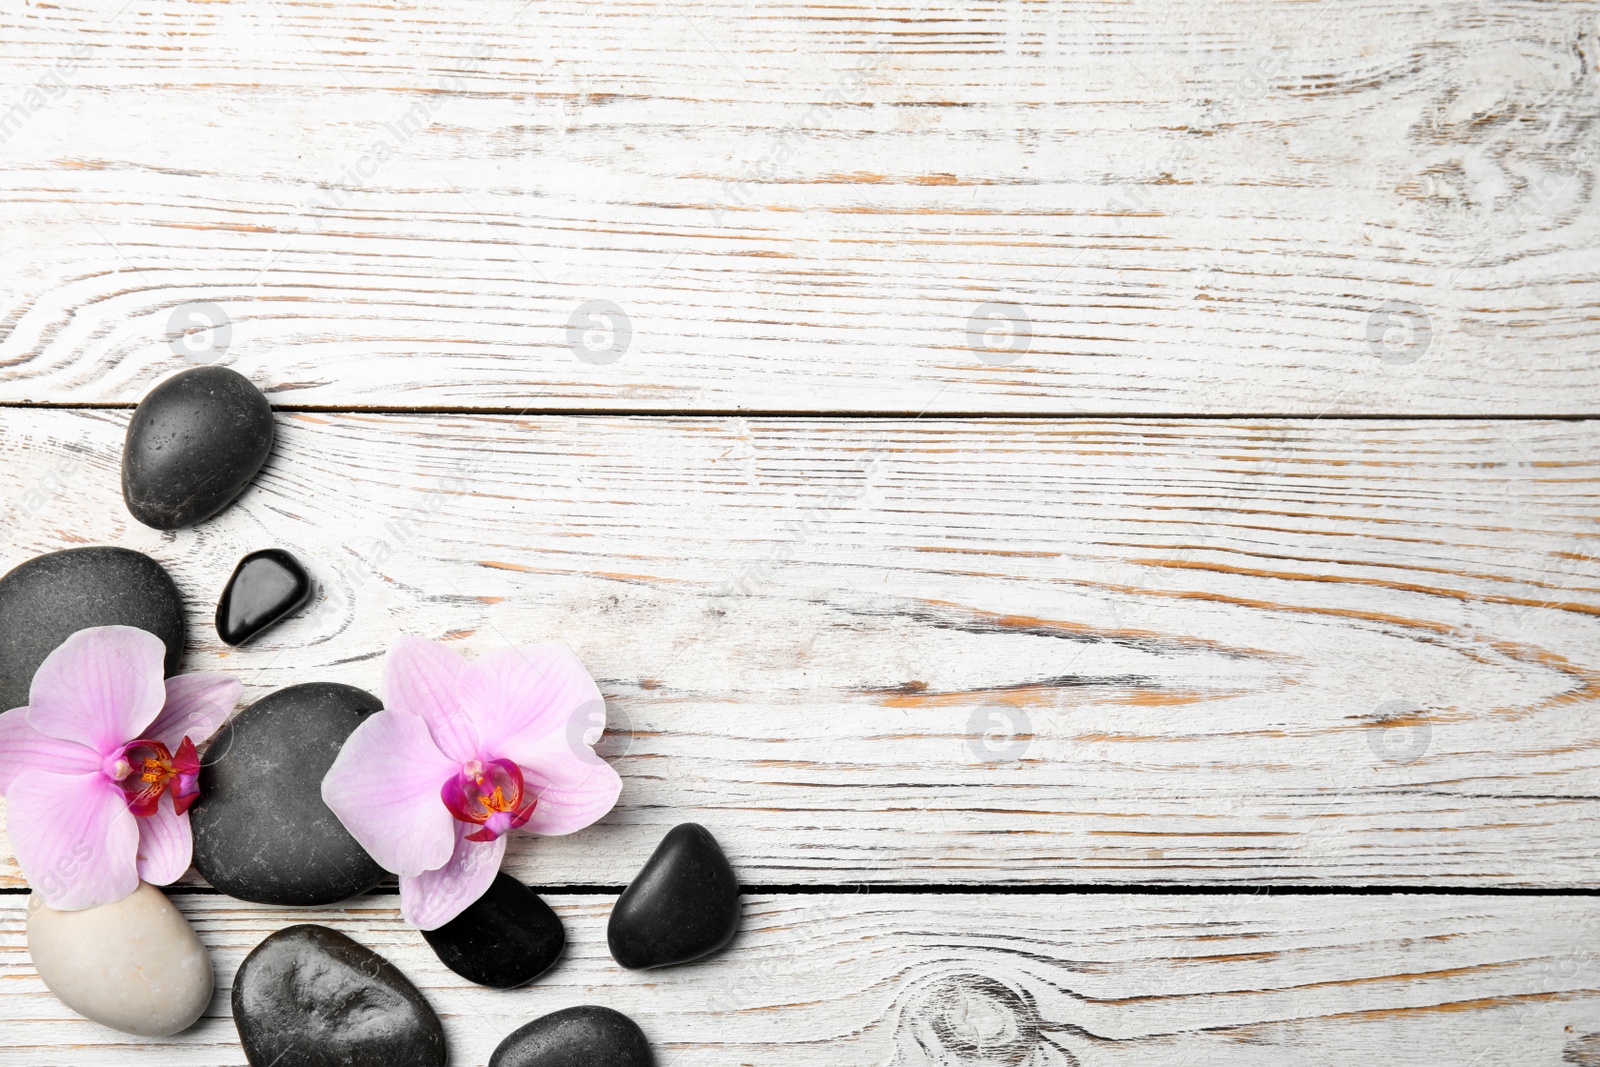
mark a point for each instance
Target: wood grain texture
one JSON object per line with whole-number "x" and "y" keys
{"x": 1247, "y": 206}
{"x": 960, "y": 651}
{"x": 969, "y": 980}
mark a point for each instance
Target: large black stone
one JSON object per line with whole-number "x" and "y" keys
{"x": 585, "y": 1036}
{"x": 49, "y": 598}
{"x": 261, "y": 830}
{"x": 265, "y": 587}
{"x": 309, "y": 996}
{"x": 194, "y": 443}
{"x": 683, "y": 905}
{"x": 505, "y": 938}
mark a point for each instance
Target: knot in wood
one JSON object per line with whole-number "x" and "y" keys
{"x": 1584, "y": 1052}
{"x": 964, "y": 1020}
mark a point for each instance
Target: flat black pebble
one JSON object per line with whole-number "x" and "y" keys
{"x": 266, "y": 587}
{"x": 49, "y": 598}
{"x": 585, "y": 1036}
{"x": 309, "y": 996}
{"x": 261, "y": 830}
{"x": 194, "y": 443}
{"x": 505, "y": 938}
{"x": 683, "y": 905}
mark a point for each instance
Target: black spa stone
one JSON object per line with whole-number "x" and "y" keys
{"x": 261, "y": 830}
{"x": 683, "y": 905}
{"x": 194, "y": 443}
{"x": 309, "y": 996}
{"x": 49, "y": 598}
{"x": 266, "y": 587}
{"x": 585, "y": 1036}
{"x": 505, "y": 938}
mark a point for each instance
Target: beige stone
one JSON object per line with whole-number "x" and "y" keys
{"x": 135, "y": 965}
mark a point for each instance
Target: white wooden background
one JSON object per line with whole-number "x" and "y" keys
{"x": 1262, "y": 555}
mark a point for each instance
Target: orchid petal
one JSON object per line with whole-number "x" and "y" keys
{"x": 419, "y": 677}
{"x": 23, "y": 748}
{"x": 567, "y": 805}
{"x": 430, "y": 900}
{"x": 165, "y": 844}
{"x": 519, "y": 694}
{"x": 384, "y": 787}
{"x": 100, "y": 688}
{"x": 196, "y": 704}
{"x": 74, "y": 838}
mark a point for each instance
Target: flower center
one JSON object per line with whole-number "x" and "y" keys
{"x": 490, "y": 794}
{"x": 147, "y": 768}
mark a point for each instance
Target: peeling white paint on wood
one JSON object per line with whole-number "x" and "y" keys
{"x": 905, "y": 650}
{"x": 961, "y": 651}
{"x": 963, "y": 980}
{"x": 1229, "y": 206}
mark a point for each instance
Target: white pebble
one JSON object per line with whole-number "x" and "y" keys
{"x": 135, "y": 965}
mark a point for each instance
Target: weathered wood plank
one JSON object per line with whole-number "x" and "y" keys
{"x": 961, "y": 651}
{"x": 972, "y": 979}
{"x": 1224, "y": 206}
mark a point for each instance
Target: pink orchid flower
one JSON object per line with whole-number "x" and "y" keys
{"x": 100, "y": 768}
{"x": 463, "y": 754}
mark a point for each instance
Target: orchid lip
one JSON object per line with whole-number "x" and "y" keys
{"x": 148, "y": 768}
{"x": 490, "y": 794}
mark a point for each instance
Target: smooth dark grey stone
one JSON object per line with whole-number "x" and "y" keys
{"x": 266, "y": 587}
{"x": 194, "y": 443}
{"x": 309, "y": 996}
{"x": 49, "y": 598}
{"x": 683, "y": 905}
{"x": 585, "y": 1036}
{"x": 505, "y": 938}
{"x": 261, "y": 830}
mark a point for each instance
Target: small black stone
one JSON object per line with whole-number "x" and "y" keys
{"x": 683, "y": 905}
{"x": 585, "y": 1036}
{"x": 193, "y": 444}
{"x": 49, "y": 598}
{"x": 309, "y": 996}
{"x": 505, "y": 938}
{"x": 261, "y": 830}
{"x": 266, "y": 587}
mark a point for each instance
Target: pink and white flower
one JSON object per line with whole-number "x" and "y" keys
{"x": 100, "y": 768}
{"x": 463, "y": 754}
